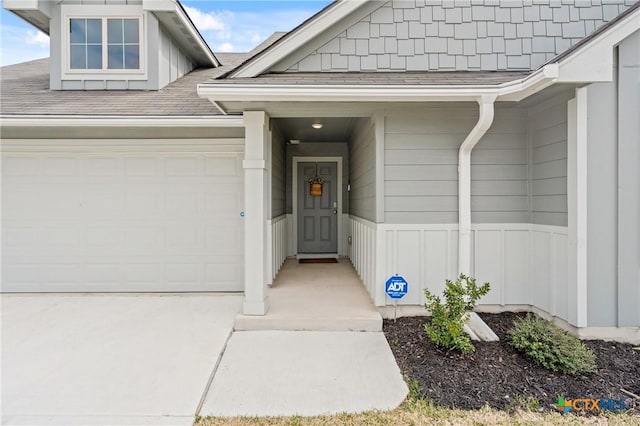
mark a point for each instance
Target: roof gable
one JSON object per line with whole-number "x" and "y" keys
{"x": 419, "y": 35}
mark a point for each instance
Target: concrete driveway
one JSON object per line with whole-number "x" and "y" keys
{"x": 117, "y": 359}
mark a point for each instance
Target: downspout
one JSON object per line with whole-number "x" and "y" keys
{"x": 464, "y": 181}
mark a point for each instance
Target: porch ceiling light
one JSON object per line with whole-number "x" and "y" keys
{"x": 317, "y": 125}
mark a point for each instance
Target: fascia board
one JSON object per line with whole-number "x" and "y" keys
{"x": 515, "y": 90}
{"x": 278, "y": 52}
{"x": 115, "y": 121}
{"x": 593, "y": 62}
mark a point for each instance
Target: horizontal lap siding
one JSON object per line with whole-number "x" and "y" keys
{"x": 278, "y": 175}
{"x": 362, "y": 155}
{"x": 421, "y": 158}
{"x": 548, "y": 134}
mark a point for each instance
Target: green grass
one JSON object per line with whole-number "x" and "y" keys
{"x": 421, "y": 412}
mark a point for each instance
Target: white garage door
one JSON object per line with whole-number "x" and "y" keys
{"x": 117, "y": 216}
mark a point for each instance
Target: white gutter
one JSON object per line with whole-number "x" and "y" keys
{"x": 254, "y": 92}
{"x": 119, "y": 121}
{"x": 464, "y": 181}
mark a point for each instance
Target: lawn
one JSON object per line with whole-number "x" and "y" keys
{"x": 422, "y": 412}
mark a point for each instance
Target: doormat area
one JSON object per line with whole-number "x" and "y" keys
{"x": 329, "y": 260}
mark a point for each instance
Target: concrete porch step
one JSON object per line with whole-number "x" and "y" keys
{"x": 372, "y": 322}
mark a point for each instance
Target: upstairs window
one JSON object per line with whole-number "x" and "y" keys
{"x": 104, "y": 44}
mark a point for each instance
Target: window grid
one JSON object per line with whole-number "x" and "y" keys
{"x": 130, "y": 48}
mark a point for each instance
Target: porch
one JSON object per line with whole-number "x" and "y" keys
{"x": 318, "y": 297}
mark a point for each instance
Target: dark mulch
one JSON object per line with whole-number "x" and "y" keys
{"x": 497, "y": 375}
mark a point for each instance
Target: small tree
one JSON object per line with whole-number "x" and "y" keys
{"x": 448, "y": 318}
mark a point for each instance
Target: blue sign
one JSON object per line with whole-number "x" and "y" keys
{"x": 396, "y": 287}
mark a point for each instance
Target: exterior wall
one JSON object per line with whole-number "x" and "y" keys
{"x": 421, "y": 160}
{"x": 548, "y": 161}
{"x": 628, "y": 248}
{"x": 362, "y": 155}
{"x": 481, "y": 35}
{"x": 161, "y": 59}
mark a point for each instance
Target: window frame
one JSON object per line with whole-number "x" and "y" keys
{"x": 104, "y": 71}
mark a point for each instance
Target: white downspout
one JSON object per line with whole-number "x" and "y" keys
{"x": 464, "y": 181}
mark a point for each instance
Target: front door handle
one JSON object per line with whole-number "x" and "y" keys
{"x": 335, "y": 212}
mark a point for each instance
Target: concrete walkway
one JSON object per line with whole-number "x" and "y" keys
{"x": 116, "y": 360}
{"x": 284, "y": 373}
{"x": 316, "y": 297}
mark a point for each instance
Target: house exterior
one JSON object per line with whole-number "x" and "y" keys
{"x": 497, "y": 139}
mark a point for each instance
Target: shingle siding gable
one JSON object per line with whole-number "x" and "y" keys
{"x": 472, "y": 35}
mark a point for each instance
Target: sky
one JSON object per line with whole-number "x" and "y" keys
{"x": 227, "y": 26}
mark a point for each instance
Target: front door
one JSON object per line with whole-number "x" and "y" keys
{"x": 318, "y": 214}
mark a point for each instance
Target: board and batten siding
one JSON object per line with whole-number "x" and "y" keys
{"x": 421, "y": 166}
{"x": 362, "y": 155}
{"x": 548, "y": 136}
{"x": 418, "y": 35}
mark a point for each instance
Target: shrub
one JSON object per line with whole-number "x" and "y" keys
{"x": 551, "y": 347}
{"x": 448, "y": 318}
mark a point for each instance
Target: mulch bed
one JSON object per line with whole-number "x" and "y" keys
{"x": 498, "y": 376}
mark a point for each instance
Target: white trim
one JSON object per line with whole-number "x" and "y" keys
{"x": 119, "y": 121}
{"x": 464, "y": 182}
{"x": 294, "y": 196}
{"x": 294, "y": 41}
{"x": 511, "y": 91}
{"x": 102, "y": 12}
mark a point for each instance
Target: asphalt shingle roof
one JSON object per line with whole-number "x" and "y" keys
{"x": 380, "y": 78}
{"x": 24, "y": 90}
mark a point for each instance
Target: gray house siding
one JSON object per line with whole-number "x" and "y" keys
{"x": 319, "y": 149}
{"x": 548, "y": 158}
{"x": 484, "y": 35}
{"x": 421, "y": 160}
{"x": 165, "y": 62}
{"x": 278, "y": 174}
{"x": 362, "y": 154}
{"x": 628, "y": 180}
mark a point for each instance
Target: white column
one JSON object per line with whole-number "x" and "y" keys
{"x": 256, "y": 144}
{"x": 577, "y": 206}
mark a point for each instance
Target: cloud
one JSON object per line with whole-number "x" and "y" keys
{"x": 225, "y": 47}
{"x": 37, "y": 38}
{"x": 21, "y": 44}
{"x": 205, "y": 21}
{"x": 241, "y": 31}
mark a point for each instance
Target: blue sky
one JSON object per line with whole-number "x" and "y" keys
{"x": 227, "y": 26}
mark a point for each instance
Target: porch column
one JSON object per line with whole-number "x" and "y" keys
{"x": 256, "y": 125}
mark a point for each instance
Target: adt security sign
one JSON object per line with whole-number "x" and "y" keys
{"x": 396, "y": 287}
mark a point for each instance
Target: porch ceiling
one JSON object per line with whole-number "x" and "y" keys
{"x": 334, "y": 129}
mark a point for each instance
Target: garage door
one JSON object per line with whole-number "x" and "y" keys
{"x": 118, "y": 216}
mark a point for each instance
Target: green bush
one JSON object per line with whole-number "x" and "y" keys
{"x": 551, "y": 347}
{"x": 448, "y": 318}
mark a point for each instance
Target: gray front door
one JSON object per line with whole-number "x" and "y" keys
{"x": 318, "y": 215}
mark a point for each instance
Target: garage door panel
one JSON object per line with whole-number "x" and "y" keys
{"x": 119, "y": 222}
